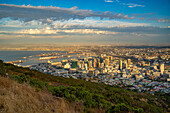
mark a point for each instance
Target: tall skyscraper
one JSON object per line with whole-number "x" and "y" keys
{"x": 125, "y": 64}
{"x": 94, "y": 63}
{"x": 120, "y": 64}
{"x": 162, "y": 68}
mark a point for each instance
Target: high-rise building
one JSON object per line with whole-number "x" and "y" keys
{"x": 125, "y": 64}
{"x": 143, "y": 63}
{"x": 102, "y": 65}
{"x": 162, "y": 68}
{"x": 106, "y": 62}
{"x": 98, "y": 64}
{"x": 85, "y": 66}
{"x": 120, "y": 64}
{"x": 81, "y": 65}
{"x": 90, "y": 64}
{"x": 129, "y": 61}
{"x": 94, "y": 63}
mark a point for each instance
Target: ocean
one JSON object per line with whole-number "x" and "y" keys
{"x": 31, "y": 59}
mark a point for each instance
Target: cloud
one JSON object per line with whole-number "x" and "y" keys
{"x": 73, "y": 8}
{"x": 111, "y": 1}
{"x": 135, "y": 5}
{"x": 46, "y": 37}
{"x": 29, "y": 13}
{"x": 46, "y": 30}
{"x": 94, "y": 23}
{"x": 71, "y": 31}
{"x": 41, "y": 14}
{"x": 131, "y": 5}
{"x": 77, "y": 26}
{"x": 136, "y": 34}
{"x": 143, "y": 18}
{"x": 141, "y": 30}
{"x": 108, "y": 1}
{"x": 78, "y": 30}
{"x": 160, "y": 20}
{"x": 163, "y": 20}
{"x": 142, "y": 35}
{"x": 88, "y": 31}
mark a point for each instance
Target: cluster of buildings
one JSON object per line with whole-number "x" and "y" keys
{"x": 132, "y": 71}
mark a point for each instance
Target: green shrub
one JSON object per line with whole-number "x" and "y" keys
{"x": 119, "y": 108}
{"x": 138, "y": 110}
{"x": 22, "y": 78}
{"x": 36, "y": 83}
{"x": 27, "y": 79}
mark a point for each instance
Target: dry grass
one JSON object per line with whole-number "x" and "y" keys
{"x": 21, "y": 98}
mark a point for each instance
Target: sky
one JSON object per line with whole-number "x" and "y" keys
{"x": 85, "y": 22}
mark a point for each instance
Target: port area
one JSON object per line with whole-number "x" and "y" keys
{"x": 26, "y": 61}
{"x": 59, "y": 55}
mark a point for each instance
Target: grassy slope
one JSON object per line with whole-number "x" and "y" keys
{"x": 95, "y": 97}
{"x": 21, "y": 98}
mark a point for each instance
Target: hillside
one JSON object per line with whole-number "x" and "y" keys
{"x": 21, "y": 98}
{"x": 38, "y": 92}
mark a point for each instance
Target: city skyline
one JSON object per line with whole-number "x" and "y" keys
{"x": 97, "y": 22}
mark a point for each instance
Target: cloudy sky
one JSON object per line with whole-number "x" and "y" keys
{"x": 83, "y": 22}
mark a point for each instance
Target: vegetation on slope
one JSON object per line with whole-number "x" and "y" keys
{"x": 93, "y": 97}
{"x": 21, "y": 98}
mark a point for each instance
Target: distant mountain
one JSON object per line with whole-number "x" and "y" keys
{"x": 24, "y": 90}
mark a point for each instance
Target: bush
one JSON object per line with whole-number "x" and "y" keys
{"x": 73, "y": 93}
{"x": 117, "y": 98}
{"x": 138, "y": 110}
{"x": 22, "y": 78}
{"x": 119, "y": 108}
{"x": 36, "y": 83}
{"x": 27, "y": 79}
